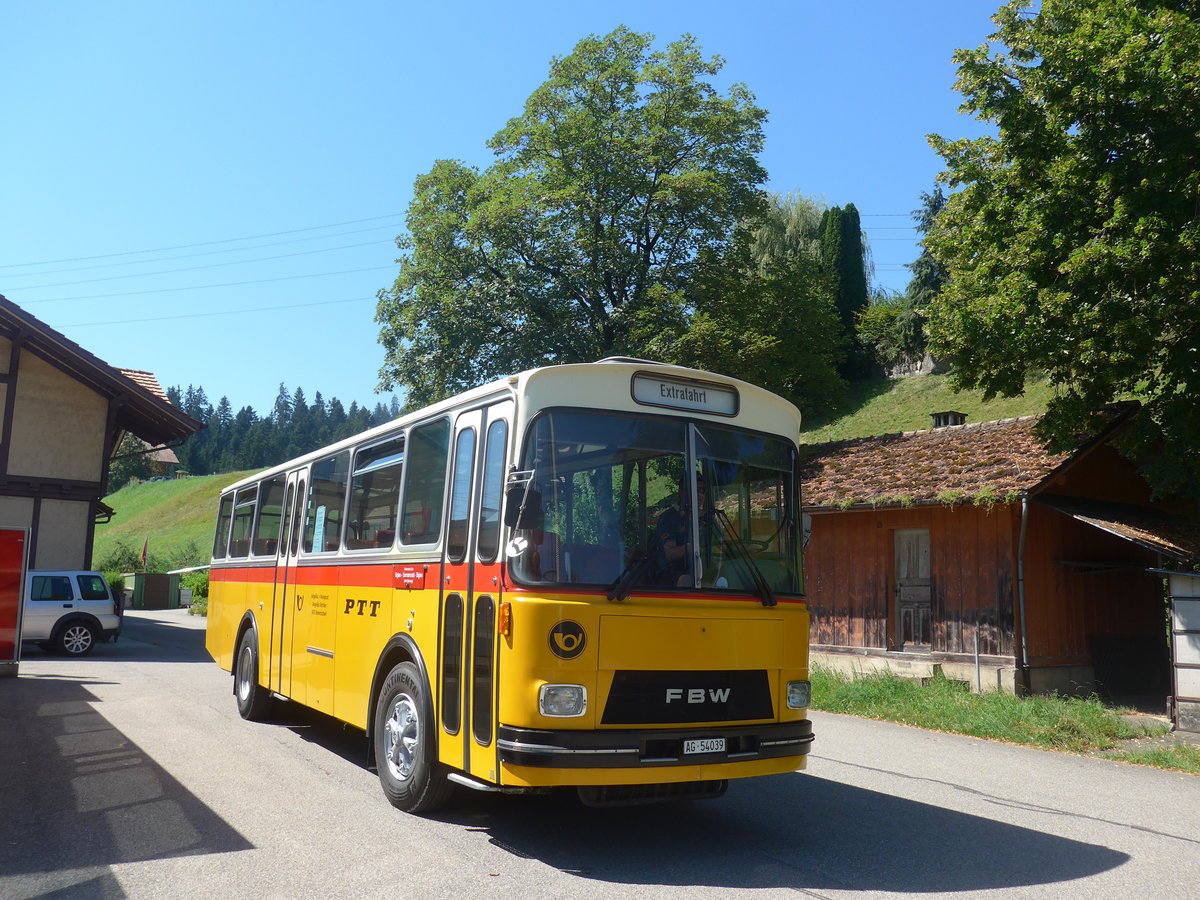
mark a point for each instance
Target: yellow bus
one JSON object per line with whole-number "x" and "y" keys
{"x": 582, "y": 576}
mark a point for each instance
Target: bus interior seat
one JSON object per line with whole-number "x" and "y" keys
{"x": 544, "y": 558}
{"x": 592, "y": 563}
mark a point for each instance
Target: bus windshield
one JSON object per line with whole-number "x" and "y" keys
{"x": 655, "y": 502}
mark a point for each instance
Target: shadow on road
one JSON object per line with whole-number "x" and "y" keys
{"x": 789, "y": 831}
{"x": 792, "y": 831}
{"x": 79, "y": 796}
{"x": 171, "y": 636}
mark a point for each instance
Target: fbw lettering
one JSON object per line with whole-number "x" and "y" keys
{"x": 698, "y": 695}
{"x": 362, "y": 607}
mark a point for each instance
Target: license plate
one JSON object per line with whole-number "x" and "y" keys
{"x": 705, "y": 745}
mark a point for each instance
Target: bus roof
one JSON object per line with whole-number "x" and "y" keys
{"x": 608, "y": 384}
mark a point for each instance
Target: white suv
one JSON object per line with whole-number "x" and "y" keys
{"x": 69, "y": 611}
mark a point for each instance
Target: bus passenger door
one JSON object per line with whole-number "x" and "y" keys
{"x": 285, "y": 588}
{"x": 482, "y": 600}
{"x": 454, "y": 743}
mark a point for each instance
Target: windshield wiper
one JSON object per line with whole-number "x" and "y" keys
{"x": 620, "y": 588}
{"x": 733, "y": 543}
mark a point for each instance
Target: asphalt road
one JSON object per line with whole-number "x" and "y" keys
{"x": 130, "y": 774}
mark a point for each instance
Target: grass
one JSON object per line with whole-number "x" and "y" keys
{"x": 175, "y": 518}
{"x": 885, "y": 406}
{"x": 1179, "y": 757}
{"x": 1053, "y": 723}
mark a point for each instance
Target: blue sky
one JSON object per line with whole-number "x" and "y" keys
{"x": 211, "y": 191}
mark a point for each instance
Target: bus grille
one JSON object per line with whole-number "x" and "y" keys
{"x": 654, "y": 697}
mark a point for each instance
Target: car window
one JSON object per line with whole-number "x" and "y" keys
{"x": 93, "y": 587}
{"x": 52, "y": 587}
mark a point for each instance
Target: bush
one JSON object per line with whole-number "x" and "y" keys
{"x": 116, "y": 583}
{"x": 123, "y": 557}
{"x": 197, "y": 583}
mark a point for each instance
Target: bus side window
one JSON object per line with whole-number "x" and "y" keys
{"x": 326, "y": 497}
{"x": 374, "y": 496}
{"x": 425, "y": 483}
{"x": 221, "y": 538}
{"x": 488, "y": 541}
{"x": 270, "y": 510}
{"x": 460, "y": 495}
{"x": 243, "y": 520}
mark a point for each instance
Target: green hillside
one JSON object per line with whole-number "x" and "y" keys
{"x": 174, "y": 518}
{"x": 885, "y": 406}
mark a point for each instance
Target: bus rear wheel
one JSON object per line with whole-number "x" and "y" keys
{"x": 409, "y": 773}
{"x": 253, "y": 700}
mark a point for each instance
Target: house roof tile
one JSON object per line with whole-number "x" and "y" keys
{"x": 939, "y": 465}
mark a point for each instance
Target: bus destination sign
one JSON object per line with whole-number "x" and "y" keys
{"x": 675, "y": 393}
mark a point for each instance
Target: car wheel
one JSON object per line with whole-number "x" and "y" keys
{"x": 412, "y": 779}
{"x": 76, "y": 638}
{"x": 253, "y": 700}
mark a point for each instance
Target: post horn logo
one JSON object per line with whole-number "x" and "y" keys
{"x": 567, "y": 639}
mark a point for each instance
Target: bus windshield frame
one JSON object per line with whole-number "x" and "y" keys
{"x": 648, "y": 501}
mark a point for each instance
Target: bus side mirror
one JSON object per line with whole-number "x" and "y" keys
{"x": 516, "y": 517}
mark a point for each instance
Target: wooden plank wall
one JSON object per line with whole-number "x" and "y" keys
{"x": 850, "y": 570}
{"x": 1066, "y": 606}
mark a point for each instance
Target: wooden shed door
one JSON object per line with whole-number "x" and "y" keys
{"x": 914, "y": 595}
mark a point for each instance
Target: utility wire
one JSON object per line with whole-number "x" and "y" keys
{"x": 252, "y": 237}
{"x": 201, "y": 287}
{"x": 226, "y": 312}
{"x": 233, "y": 262}
{"x": 162, "y": 259}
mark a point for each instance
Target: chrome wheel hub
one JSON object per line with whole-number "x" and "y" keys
{"x": 245, "y": 677}
{"x": 401, "y": 733}
{"x": 77, "y": 639}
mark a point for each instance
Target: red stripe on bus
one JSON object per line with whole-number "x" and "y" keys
{"x": 376, "y": 576}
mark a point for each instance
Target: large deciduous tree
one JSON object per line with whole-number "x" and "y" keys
{"x": 1073, "y": 245}
{"x": 578, "y": 241}
{"x": 764, "y": 310}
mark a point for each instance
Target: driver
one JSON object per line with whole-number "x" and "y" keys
{"x": 674, "y": 535}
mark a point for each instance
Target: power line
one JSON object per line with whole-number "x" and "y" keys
{"x": 161, "y": 259}
{"x": 233, "y": 262}
{"x": 252, "y": 237}
{"x": 226, "y": 312}
{"x": 201, "y": 287}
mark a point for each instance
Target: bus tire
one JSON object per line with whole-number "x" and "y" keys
{"x": 253, "y": 700}
{"x": 409, "y": 773}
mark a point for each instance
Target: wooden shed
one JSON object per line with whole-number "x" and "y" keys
{"x": 973, "y": 551}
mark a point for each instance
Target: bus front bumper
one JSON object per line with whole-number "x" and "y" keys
{"x": 652, "y": 748}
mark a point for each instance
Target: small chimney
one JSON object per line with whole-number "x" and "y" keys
{"x": 948, "y": 418}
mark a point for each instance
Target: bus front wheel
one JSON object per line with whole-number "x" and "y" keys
{"x": 412, "y": 779}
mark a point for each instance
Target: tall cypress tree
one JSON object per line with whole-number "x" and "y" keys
{"x": 842, "y": 253}
{"x": 844, "y": 257}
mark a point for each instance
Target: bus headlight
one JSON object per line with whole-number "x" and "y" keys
{"x": 562, "y": 700}
{"x": 799, "y": 693}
